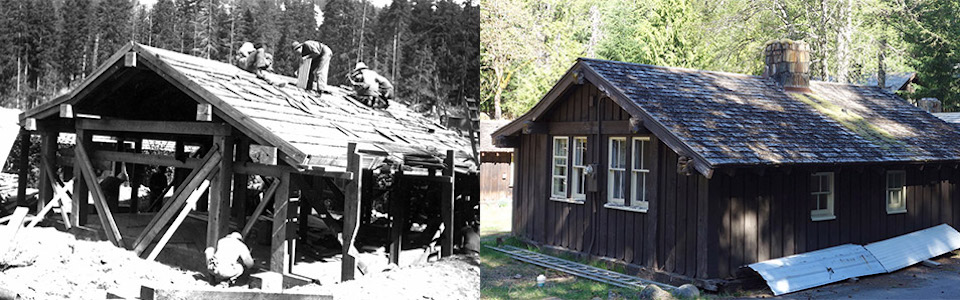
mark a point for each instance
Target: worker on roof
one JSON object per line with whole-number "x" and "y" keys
{"x": 320, "y": 64}
{"x": 370, "y": 87}
{"x": 255, "y": 59}
{"x": 229, "y": 260}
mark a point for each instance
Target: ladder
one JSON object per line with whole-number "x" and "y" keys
{"x": 581, "y": 270}
{"x": 474, "y": 115}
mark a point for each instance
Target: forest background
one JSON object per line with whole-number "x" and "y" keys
{"x": 429, "y": 49}
{"x": 526, "y": 45}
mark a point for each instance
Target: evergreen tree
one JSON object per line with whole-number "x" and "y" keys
{"x": 340, "y": 25}
{"x": 113, "y": 28}
{"x": 164, "y": 25}
{"x": 392, "y": 32}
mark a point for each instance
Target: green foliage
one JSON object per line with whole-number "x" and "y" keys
{"x": 526, "y": 45}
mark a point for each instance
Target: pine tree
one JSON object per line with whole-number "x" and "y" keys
{"x": 113, "y": 27}
{"x": 340, "y": 23}
{"x": 164, "y": 25}
{"x": 392, "y": 31}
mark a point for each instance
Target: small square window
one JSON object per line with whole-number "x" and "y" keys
{"x": 821, "y": 196}
{"x": 896, "y": 192}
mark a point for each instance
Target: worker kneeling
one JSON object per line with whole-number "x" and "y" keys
{"x": 231, "y": 259}
{"x": 370, "y": 87}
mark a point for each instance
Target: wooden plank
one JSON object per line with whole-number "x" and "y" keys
{"x": 24, "y": 171}
{"x": 278, "y": 242}
{"x": 171, "y": 293}
{"x": 750, "y": 226}
{"x": 190, "y": 205}
{"x": 398, "y": 208}
{"x": 107, "y": 222}
{"x": 66, "y": 111}
{"x": 351, "y": 215}
{"x": 204, "y": 112}
{"x": 169, "y": 127}
{"x": 267, "y": 196}
{"x": 136, "y": 179}
{"x": 60, "y": 194}
{"x": 48, "y": 148}
{"x": 680, "y": 246}
{"x": 146, "y": 159}
{"x": 447, "y": 204}
{"x": 219, "y": 197}
{"x": 240, "y": 181}
{"x": 703, "y": 222}
{"x": 211, "y": 161}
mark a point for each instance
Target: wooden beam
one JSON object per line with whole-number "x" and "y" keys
{"x": 171, "y": 293}
{"x": 191, "y": 205}
{"x": 251, "y": 168}
{"x": 267, "y": 196}
{"x": 351, "y": 214}
{"x": 219, "y": 199}
{"x": 278, "y": 242}
{"x": 136, "y": 178}
{"x": 239, "y": 202}
{"x": 60, "y": 195}
{"x": 66, "y": 111}
{"x": 107, "y": 222}
{"x": 130, "y": 59}
{"x": 398, "y": 216}
{"x": 204, "y": 112}
{"x": 24, "y": 171}
{"x": 210, "y": 162}
{"x": 80, "y": 192}
{"x": 168, "y": 127}
{"x": 30, "y": 124}
{"x": 447, "y": 204}
{"x": 48, "y": 148}
{"x": 503, "y": 141}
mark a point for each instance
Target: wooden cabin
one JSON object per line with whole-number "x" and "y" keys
{"x": 694, "y": 174}
{"x": 496, "y": 166}
{"x": 317, "y": 148}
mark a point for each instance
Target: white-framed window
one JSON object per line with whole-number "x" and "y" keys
{"x": 579, "y": 177}
{"x": 617, "y": 168}
{"x": 821, "y": 196}
{"x": 559, "y": 184}
{"x": 638, "y": 174}
{"x": 896, "y": 192}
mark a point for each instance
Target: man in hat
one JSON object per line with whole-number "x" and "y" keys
{"x": 230, "y": 259}
{"x": 256, "y": 60}
{"x": 371, "y": 87}
{"x": 320, "y": 65}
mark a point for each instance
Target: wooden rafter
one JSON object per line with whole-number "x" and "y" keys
{"x": 167, "y": 127}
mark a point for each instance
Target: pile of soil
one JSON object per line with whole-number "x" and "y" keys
{"x": 456, "y": 277}
{"x": 45, "y": 263}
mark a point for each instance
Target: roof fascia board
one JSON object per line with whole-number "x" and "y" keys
{"x": 108, "y": 68}
{"x": 235, "y": 118}
{"x": 658, "y": 129}
{"x": 543, "y": 105}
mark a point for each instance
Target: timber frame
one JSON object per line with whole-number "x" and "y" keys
{"x": 214, "y": 178}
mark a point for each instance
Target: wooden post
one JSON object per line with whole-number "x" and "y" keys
{"x": 80, "y": 192}
{"x": 351, "y": 213}
{"x": 447, "y": 205}
{"x": 179, "y": 174}
{"x": 239, "y": 203}
{"x": 103, "y": 210}
{"x": 260, "y": 207}
{"x": 308, "y": 192}
{"x": 398, "y": 208}
{"x": 278, "y": 243}
{"x": 24, "y": 168}
{"x": 136, "y": 178}
{"x": 219, "y": 198}
{"x": 48, "y": 151}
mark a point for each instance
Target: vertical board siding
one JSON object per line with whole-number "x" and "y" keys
{"x": 778, "y": 201}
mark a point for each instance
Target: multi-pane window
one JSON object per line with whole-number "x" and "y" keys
{"x": 896, "y": 192}
{"x": 579, "y": 168}
{"x": 617, "y": 168}
{"x": 821, "y": 196}
{"x": 638, "y": 174}
{"x": 559, "y": 185}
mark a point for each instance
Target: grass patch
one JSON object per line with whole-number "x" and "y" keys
{"x": 851, "y": 120}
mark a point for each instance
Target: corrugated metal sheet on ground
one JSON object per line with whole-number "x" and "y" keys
{"x": 811, "y": 269}
{"x": 905, "y": 250}
{"x": 806, "y": 270}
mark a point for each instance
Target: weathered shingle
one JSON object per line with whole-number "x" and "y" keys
{"x": 734, "y": 119}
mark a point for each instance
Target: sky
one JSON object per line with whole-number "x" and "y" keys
{"x": 377, "y": 3}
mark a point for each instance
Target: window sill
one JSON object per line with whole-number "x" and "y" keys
{"x": 896, "y": 211}
{"x": 626, "y": 208}
{"x": 822, "y": 218}
{"x": 568, "y": 200}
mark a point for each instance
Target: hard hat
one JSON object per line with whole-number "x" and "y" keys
{"x": 296, "y": 45}
{"x": 235, "y": 235}
{"x": 246, "y": 48}
{"x": 360, "y": 66}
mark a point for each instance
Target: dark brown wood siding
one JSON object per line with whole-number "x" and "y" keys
{"x": 767, "y": 216}
{"x": 665, "y": 237}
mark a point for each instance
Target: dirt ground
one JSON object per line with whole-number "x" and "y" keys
{"x": 48, "y": 264}
{"x": 915, "y": 282}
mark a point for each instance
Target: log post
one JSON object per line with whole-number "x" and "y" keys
{"x": 447, "y": 204}
{"x": 278, "y": 243}
{"x": 239, "y": 202}
{"x": 48, "y": 151}
{"x": 136, "y": 178}
{"x": 398, "y": 214}
{"x": 220, "y": 189}
{"x": 24, "y": 173}
{"x": 80, "y": 192}
{"x": 351, "y": 214}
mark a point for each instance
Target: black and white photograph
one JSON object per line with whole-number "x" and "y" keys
{"x": 239, "y": 149}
